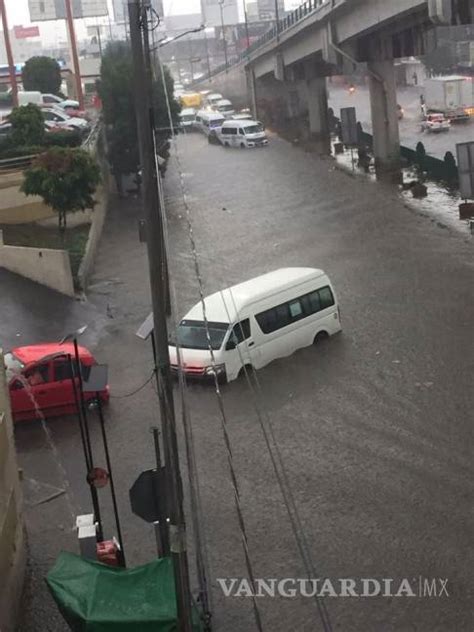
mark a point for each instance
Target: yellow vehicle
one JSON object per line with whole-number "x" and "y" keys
{"x": 191, "y": 100}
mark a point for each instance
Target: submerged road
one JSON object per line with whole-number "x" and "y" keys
{"x": 374, "y": 427}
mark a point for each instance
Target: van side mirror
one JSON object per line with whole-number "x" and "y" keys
{"x": 230, "y": 345}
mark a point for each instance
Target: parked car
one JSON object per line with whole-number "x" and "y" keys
{"x": 53, "y": 99}
{"x": 435, "y": 123}
{"x": 62, "y": 119}
{"x": 40, "y": 380}
{"x": 224, "y": 107}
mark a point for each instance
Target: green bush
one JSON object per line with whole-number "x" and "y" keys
{"x": 64, "y": 138}
{"x": 27, "y": 125}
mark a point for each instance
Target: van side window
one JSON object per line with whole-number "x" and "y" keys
{"x": 241, "y": 331}
{"x": 231, "y": 130}
{"x": 277, "y": 317}
{"x": 241, "y": 132}
{"x": 326, "y": 298}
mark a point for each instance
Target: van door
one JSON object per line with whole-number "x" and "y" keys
{"x": 239, "y": 349}
{"x": 241, "y": 139}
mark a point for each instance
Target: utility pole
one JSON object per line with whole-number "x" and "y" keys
{"x": 208, "y": 61}
{"x": 221, "y": 7}
{"x": 75, "y": 58}
{"x": 155, "y": 242}
{"x": 246, "y": 25}
{"x": 8, "y": 48}
{"x": 277, "y": 19}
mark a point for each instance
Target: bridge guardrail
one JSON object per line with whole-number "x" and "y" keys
{"x": 292, "y": 18}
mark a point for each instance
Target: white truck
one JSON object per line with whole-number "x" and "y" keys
{"x": 452, "y": 96}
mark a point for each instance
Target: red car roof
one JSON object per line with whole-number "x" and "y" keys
{"x": 35, "y": 353}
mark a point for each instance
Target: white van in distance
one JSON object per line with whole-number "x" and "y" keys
{"x": 225, "y": 107}
{"x": 242, "y": 134}
{"x": 213, "y": 98}
{"x": 187, "y": 119}
{"x": 208, "y": 121}
{"x": 255, "y": 322}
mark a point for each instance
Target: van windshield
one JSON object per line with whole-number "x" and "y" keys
{"x": 192, "y": 334}
{"x": 253, "y": 129}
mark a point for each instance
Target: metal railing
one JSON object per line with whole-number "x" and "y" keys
{"x": 294, "y": 17}
{"x": 16, "y": 164}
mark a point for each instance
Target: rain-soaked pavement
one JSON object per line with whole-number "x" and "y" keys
{"x": 374, "y": 427}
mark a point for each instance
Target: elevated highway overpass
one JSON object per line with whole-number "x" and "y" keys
{"x": 285, "y": 70}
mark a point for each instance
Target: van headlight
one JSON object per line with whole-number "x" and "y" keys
{"x": 218, "y": 369}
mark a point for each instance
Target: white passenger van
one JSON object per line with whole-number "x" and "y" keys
{"x": 213, "y": 98}
{"x": 255, "y": 322}
{"x": 242, "y": 134}
{"x": 225, "y": 107}
{"x": 187, "y": 119}
{"x": 208, "y": 121}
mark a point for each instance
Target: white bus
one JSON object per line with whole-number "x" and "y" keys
{"x": 255, "y": 322}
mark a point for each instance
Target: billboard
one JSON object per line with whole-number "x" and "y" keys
{"x": 266, "y": 9}
{"x": 42, "y": 10}
{"x": 121, "y": 9}
{"x": 211, "y": 12}
{"x": 23, "y": 32}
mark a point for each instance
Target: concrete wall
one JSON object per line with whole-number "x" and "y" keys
{"x": 12, "y": 539}
{"x": 16, "y": 207}
{"x": 43, "y": 265}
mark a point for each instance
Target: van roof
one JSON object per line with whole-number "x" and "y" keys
{"x": 223, "y": 102}
{"x": 226, "y": 305}
{"x": 211, "y": 115}
{"x": 240, "y": 123}
{"x": 186, "y": 111}
{"x": 214, "y": 95}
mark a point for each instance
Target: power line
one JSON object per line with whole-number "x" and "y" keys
{"x": 224, "y": 423}
{"x": 266, "y": 427}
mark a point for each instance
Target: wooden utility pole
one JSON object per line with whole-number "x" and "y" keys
{"x": 156, "y": 255}
{"x": 74, "y": 55}
{"x": 8, "y": 48}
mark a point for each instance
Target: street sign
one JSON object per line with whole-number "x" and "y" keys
{"x": 349, "y": 132}
{"x": 465, "y": 155}
{"x": 145, "y": 492}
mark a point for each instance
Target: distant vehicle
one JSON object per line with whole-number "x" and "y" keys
{"x": 243, "y": 115}
{"x": 213, "y": 98}
{"x": 242, "y": 134}
{"x": 64, "y": 103}
{"x": 435, "y": 123}
{"x": 252, "y": 323}
{"x": 187, "y": 118}
{"x": 191, "y": 100}
{"x": 225, "y": 107}
{"x": 400, "y": 112}
{"x": 209, "y": 123}
{"x": 27, "y": 98}
{"x": 58, "y": 116}
{"x": 452, "y": 96}
{"x": 40, "y": 381}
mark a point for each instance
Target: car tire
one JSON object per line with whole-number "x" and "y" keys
{"x": 320, "y": 337}
{"x": 226, "y": 145}
{"x": 242, "y": 146}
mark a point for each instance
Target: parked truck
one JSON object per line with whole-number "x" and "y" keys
{"x": 452, "y": 96}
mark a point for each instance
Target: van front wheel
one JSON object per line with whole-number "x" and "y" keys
{"x": 242, "y": 145}
{"x": 320, "y": 337}
{"x": 245, "y": 369}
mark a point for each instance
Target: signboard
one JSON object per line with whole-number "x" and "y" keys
{"x": 349, "y": 131}
{"x": 266, "y": 9}
{"x": 465, "y": 156}
{"x": 23, "y": 32}
{"x": 211, "y": 12}
{"x": 43, "y": 10}
{"x": 144, "y": 494}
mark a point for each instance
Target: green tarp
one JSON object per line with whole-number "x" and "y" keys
{"x": 93, "y": 597}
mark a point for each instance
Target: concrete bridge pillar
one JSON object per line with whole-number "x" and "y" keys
{"x": 317, "y": 100}
{"x": 383, "y": 103}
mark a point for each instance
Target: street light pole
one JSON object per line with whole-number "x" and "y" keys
{"x": 156, "y": 257}
{"x": 246, "y": 25}
{"x": 8, "y": 48}
{"x": 221, "y": 7}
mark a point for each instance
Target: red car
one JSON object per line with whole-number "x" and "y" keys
{"x": 39, "y": 380}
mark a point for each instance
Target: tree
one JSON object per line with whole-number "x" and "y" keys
{"x": 116, "y": 90}
{"x": 27, "y": 125}
{"x": 41, "y": 74}
{"x": 65, "y": 178}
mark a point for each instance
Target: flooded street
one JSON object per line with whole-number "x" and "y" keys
{"x": 374, "y": 427}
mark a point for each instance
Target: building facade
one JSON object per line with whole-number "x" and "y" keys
{"x": 12, "y": 539}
